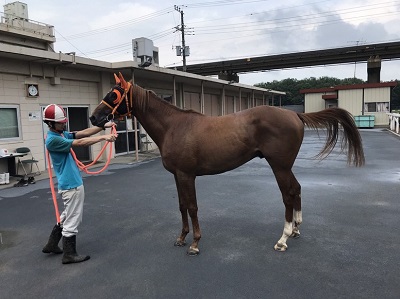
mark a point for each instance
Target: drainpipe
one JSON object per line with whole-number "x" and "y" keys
{"x": 135, "y": 128}
{"x": 202, "y": 97}
{"x": 362, "y": 108}
{"x": 223, "y": 100}
{"x": 240, "y": 99}
{"x": 174, "y": 98}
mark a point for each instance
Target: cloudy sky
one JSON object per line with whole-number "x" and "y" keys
{"x": 224, "y": 29}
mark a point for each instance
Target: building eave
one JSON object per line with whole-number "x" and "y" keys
{"x": 349, "y": 87}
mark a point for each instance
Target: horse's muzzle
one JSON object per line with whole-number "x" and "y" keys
{"x": 96, "y": 122}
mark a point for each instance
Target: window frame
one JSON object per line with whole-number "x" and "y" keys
{"x": 367, "y": 104}
{"x": 17, "y": 108}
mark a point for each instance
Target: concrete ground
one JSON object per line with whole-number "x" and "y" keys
{"x": 348, "y": 246}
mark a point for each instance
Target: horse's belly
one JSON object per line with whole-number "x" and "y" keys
{"x": 220, "y": 163}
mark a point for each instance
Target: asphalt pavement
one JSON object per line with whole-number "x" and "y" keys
{"x": 348, "y": 248}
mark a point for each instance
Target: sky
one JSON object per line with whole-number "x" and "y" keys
{"x": 224, "y": 29}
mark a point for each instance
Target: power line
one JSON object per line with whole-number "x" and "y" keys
{"x": 120, "y": 25}
{"x": 288, "y": 27}
{"x": 238, "y": 30}
{"x": 301, "y": 18}
{"x": 221, "y": 3}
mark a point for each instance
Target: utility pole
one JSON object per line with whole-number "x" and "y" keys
{"x": 184, "y": 51}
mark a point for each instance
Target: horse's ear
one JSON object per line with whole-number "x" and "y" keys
{"x": 123, "y": 82}
{"x": 117, "y": 81}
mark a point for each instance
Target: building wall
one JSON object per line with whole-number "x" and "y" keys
{"x": 212, "y": 105}
{"x": 378, "y": 95}
{"x": 69, "y": 93}
{"x": 192, "y": 101}
{"x": 313, "y": 102}
{"x": 229, "y": 104}
{"x": 351, "y": 100}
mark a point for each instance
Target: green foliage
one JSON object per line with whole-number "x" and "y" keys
{"x": 293, "y": 86}
{"x": 395, "y": 100}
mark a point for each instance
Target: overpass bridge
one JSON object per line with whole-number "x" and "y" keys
{"x": 229, "y": 69}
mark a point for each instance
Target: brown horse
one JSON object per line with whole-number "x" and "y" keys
{"x": 192, "y": 144}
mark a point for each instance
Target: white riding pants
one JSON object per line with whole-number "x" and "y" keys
{"x": 71, "y": 217}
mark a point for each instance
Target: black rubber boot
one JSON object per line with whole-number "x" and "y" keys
{"x": 52, "y": 244}
{"x": 70, "y": 254}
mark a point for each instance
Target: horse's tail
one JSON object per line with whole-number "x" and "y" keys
{"x": 330, "y": 119}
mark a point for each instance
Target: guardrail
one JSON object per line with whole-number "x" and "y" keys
{"x": 394, "y": 121}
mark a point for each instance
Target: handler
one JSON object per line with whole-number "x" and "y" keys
{"x": 70, "y": 183}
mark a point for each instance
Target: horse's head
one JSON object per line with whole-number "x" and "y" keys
{"x": 117, "y": 102}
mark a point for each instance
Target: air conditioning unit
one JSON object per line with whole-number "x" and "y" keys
{"x": 143, "y": 48}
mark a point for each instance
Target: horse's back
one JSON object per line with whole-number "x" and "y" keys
{"x": 274, "y": 120}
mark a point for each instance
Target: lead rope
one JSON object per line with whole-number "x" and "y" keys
{"x": 81, "y": 166}
{"x": 84, "y": 167}
{"x": 53, "y": 192}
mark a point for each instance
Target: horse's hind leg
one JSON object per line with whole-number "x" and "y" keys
{"x": 290, "y": 189}
{"x": 297, "y": 214}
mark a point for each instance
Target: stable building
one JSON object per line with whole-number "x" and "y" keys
{"x": 367, "y": 102}
{"x": 33, "y": 75}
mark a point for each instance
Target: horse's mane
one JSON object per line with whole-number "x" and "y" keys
{"x": 167, "y": 104}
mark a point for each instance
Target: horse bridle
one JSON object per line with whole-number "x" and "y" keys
{"x": 118, "y": 101}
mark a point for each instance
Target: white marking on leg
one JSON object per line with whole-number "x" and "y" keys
{"x": 287, "y": 231}
{"x": 297, "y": 217}
{"x": 297, "y": 220}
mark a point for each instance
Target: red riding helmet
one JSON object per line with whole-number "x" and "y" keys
{"x": 54, "y": 113}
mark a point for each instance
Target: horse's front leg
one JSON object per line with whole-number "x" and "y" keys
{"x": 180, "y": 241}
{"x": 187, "y": 199}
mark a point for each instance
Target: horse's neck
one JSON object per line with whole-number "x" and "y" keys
{"x": 152, "y": 113}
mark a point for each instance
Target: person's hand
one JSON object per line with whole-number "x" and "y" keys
{"x": 110, "y": 124}
{"x": 111, "y": 137}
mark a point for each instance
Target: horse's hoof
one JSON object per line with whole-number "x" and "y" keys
{"x": 193, "y": 251}
{"x": 280, "y": 247}
{"x": 295, "y": 235}
{"x": 180, "y": 243}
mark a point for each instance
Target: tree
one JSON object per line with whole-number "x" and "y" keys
{"x": 293, "y": 86}
{"x": 395, "y": 100}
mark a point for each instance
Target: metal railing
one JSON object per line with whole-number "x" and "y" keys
{"x": 26, "y": 25}
{"x": 394, "y": 121}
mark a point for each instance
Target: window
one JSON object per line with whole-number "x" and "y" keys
{"x": 10, "y": 127}
{"x": 376, "y": 107}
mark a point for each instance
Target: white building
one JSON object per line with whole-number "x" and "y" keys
{"x": 369, "y": 99}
